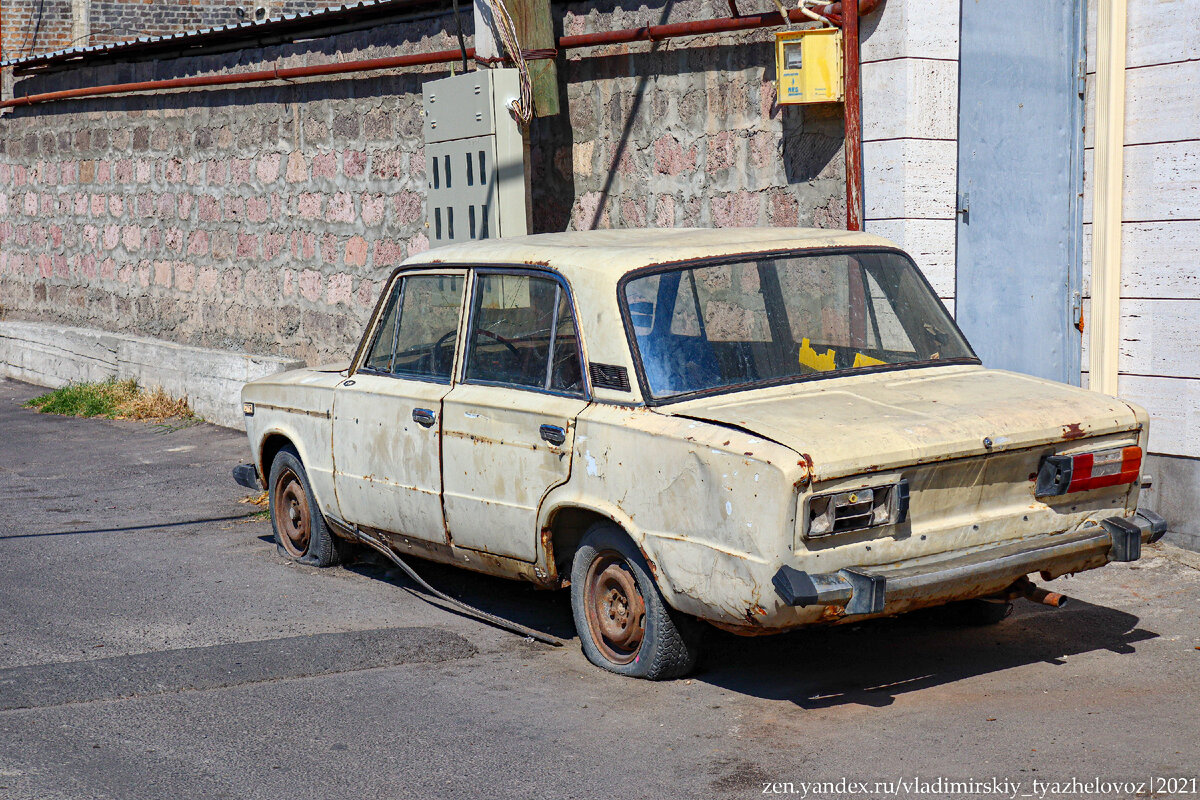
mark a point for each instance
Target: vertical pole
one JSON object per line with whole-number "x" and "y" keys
{"x": 852, "y": 108}
{"x": 1109, "y": 169}
{"x": 485, "y": 41}
{"x": 535, "y": 31}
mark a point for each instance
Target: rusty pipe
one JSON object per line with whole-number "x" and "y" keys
{"x": 625, "y": 36}
{"x": 1023, "y": 587}
{"x": 260, "y": 76}
{"x": 1047, "y": 598}
{"x": 852, "y": 118}
{"x": 833, "y": 11}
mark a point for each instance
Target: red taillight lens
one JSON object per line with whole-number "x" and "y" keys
{"x": 1064, "y": 474}
{"x": 1105, "y": 468}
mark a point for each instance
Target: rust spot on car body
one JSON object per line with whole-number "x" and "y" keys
{"x": 830, "y": 613}
{"x": 1073, "y": 431}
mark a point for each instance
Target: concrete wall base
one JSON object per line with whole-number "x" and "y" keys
{"x": 1176, "y": 495}
{"x": 211, "y": 380}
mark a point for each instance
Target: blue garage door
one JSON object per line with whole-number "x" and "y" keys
{"x": 1019, "y": 182}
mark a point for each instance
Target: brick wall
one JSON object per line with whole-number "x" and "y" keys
{"x": 265, "y": 218}
{"x": 36, "y": 26}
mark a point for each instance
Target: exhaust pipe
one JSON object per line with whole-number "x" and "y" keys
{"x": 1026, "y": 588}
{"x": 1039, "y": 595}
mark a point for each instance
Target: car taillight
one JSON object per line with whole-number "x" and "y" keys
{"x": 1087, "y": 471}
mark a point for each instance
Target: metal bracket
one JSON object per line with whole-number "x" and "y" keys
{"x": 860, "y": 592}
{"x": 868, "y": 595}
{"x": 1126, "y": 539}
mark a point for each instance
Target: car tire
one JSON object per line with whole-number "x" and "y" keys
{"x": 624, "y": 624}
{"x": 981, "y": 613}
{"x": 301, "y": 532}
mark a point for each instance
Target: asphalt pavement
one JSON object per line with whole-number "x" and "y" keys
{"x": 154, "y": 645}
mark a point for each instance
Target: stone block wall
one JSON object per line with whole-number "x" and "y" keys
{"x": 265, "y": 218}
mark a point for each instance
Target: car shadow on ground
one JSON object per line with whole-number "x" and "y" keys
{"x": 872, "y": 662}
{"x": 516, "y": 601}
{"x": 867, "y": 663}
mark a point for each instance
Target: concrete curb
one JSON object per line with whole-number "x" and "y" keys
{"x": 54, "y": 355}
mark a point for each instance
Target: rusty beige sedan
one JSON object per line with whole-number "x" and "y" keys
{"x": 757, "y": 429}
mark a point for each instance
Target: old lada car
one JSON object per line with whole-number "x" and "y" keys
{"x": 760, "y": 429}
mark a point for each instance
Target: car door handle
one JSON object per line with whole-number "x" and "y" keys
{"x": 554, "y": 434}
{"x": 424, "y": 417}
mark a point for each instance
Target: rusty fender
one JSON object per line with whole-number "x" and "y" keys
{"x": 712, "y": 508}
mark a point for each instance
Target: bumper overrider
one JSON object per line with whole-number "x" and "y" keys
{"x": 247, "y": 475}
{"x": 866, "y": 590}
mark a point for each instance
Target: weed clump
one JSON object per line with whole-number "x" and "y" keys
{"x": 112, "y": 399}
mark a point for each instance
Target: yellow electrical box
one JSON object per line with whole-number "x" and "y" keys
{"x": 809, "y": 65}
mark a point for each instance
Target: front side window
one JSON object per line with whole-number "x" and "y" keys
{"x": 775, "y": 318}
{"x": 523, "y": 334}
{"x": 419, "y": 327}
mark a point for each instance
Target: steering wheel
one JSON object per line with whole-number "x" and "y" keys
{"x": 497, "y": 337}
{"x": 437, "y": 346}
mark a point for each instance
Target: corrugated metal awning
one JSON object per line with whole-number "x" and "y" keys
{"x": 278, "y": 30}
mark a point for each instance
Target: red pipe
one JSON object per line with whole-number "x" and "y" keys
{"x": 852, "y": 114}
{"x": 628, "y": 35}
{"x": 261, "y": 76}
{"x": 835, "y": 12}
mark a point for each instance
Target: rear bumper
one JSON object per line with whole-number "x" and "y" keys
{"x": 867, "y": 590}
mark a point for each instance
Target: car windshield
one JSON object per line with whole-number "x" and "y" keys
{"x": 778, "y": 318}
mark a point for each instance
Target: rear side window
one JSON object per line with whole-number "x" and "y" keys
{"x": 418, "y": 332}
{"x": 523, "y": 334}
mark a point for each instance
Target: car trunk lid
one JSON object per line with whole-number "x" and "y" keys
{"x": 875, "y": 422}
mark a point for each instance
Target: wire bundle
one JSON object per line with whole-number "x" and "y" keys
{"x": 522, "y": 106}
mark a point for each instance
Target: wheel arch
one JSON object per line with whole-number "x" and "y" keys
{"x": 271, "y": 443}
{"x": 564, "y": 523}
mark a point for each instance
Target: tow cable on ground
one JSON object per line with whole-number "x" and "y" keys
{"x": 491, "y": 619}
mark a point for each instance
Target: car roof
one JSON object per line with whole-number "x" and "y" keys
{"x": 612, "y": 253}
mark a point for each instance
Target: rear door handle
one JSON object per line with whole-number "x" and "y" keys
{"x": 424, "y": 417}
{"x": 554, "y": 434}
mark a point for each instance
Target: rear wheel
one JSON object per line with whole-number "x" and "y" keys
{"x": 300, "y": 530}
{"x": 624, "y": 623}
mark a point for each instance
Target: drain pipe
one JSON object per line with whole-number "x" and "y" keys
{"x": 1109, "y": 168}
{"x": 852, "y": 117}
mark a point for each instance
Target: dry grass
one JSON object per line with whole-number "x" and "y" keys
{"x": 113, "y": 399}
{"x": 259, "y": 500}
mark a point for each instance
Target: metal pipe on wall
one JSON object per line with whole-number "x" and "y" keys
{"x": 847, "y": 17}
{"x": 1109, "y": 168}
{"x": 852, "y": 117}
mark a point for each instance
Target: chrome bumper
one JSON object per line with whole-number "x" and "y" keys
{"x": 867, "y": 590}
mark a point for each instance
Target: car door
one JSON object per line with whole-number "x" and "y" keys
{"x": 508, "y": 426}
{"x": 386, "y": 415}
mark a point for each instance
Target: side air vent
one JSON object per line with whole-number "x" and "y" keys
{"x": 609, "y": 376}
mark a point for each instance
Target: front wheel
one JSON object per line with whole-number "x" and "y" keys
{"x": 300, "y": 530}
{"x": 624, "y": 624}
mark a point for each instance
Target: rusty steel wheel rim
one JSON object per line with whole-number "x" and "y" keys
{"x": 616, "y": 611}
{"x": 291, "y": 513}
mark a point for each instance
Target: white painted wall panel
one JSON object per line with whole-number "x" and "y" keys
{"x": 906, "y": 178}
{"x": 1159, "y": 259}
{"x": 921, "y": 28}
{"x": 1174, "y": 407}
{"x": 929, "y": 241}
{"x": 910, "y": 97}
{"x": 1162, "y": 103}
{"x": 1162, "y": 182}
{"x": 1159, "y": 32}
{"x": 1158, "y": 337}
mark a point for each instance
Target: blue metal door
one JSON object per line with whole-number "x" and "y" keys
{"x": 1020, "y": 176}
